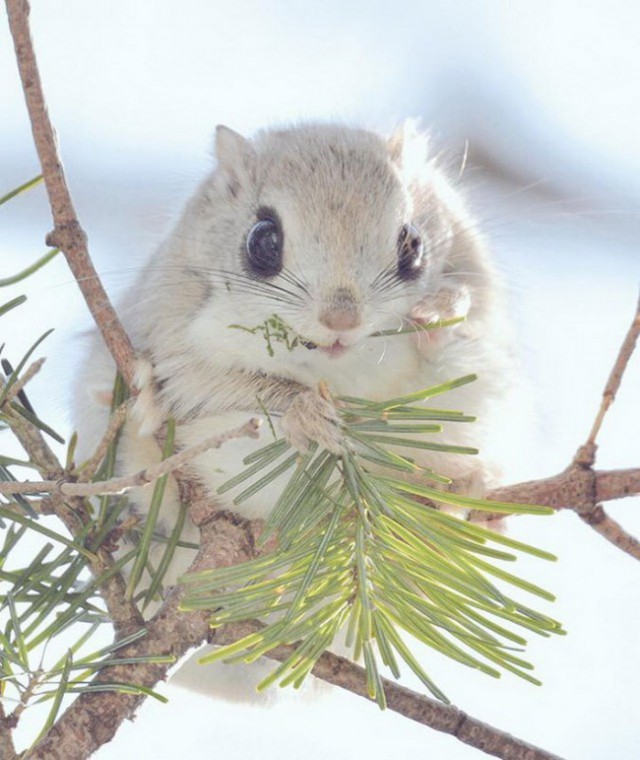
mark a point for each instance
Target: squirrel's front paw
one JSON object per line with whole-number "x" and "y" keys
{"x": 312, "y": 416}
{"x": 448, "y": 303}
{"x": 145, "y": 411}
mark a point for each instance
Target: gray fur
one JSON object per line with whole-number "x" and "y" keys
{"x": 342, "y": 196}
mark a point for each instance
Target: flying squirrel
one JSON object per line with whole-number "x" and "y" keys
{"x": 342, "y": 234}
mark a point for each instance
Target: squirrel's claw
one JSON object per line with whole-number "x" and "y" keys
{"x": 312, "y": 416}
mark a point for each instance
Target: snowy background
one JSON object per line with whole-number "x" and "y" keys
{"x": 547, "y": 94}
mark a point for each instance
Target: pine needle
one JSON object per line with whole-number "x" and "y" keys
{"x": 363, "y": 550}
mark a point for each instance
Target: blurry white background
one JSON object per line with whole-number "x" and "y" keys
{"x": 547, "y": 94}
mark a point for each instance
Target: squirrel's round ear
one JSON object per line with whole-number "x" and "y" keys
{"x": 395, "y": 144}
{"x": 234, "y": 154}
{"x": 408, "y": 148}
{"x": 231, "y": 148}
{"x": 405, "y": 138}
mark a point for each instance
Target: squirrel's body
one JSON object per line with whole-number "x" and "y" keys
{"x": 341, "y": 234}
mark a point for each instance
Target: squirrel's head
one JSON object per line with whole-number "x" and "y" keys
{"x": 337, "y": 230}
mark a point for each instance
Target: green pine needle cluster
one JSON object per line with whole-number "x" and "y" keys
{"x": 51, "y": 612}
{"x": 50, "y": 605}
{"x": 362, "y": 553}
{"x": 146, "y": 567}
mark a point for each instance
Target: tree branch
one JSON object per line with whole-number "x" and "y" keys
{"x": 87, "y": 470}
{"x": 586, "y": 454}
{"x": 66, "y": 487}
{"x": 607, "y": 527}
{"x": 7, "y": 747}
{"x": 595, "y": 516}
{"x": 617, "y": 484}
{"x": 67, "y": 234}
{"x": 74, "y": 514}
{"x": 19, "y": 385}
{"x": 429, "y": 712}
{"x": 575, "y": 488}
{"x": 94, "y": 718}
{"x": 581, "y": 490}
{"x": 579, "y": 487}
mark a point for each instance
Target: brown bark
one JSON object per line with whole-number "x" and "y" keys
{"x": 67, "y": 234}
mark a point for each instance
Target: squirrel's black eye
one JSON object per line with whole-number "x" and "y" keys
{"x": 264, "y": 247}
{"x": 410, "y": 253}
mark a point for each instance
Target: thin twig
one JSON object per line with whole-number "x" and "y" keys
{"x": 33, "y": 442}
{"x": 63, "y": 487}
{"x": 575, "y": 488}
{"x": 74, "y": 514}
{"x": 42, "y": 506}
{"x": 67, "y": 234}
{"x": 586, "y": 454}
{"x": 28, "y": 375}
{"x": 116, "y": 421}
{"x": 35, "y": 679}
{"x": 606, "y": 526}
{"x": 594, "y": 515}
{"x": 579, "y": 487}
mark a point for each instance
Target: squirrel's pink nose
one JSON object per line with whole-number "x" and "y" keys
{"x": 341, "y": 311}
{"x": 340, "y": 319}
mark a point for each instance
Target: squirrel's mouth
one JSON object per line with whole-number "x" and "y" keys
{"x": 333, "y": 350}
